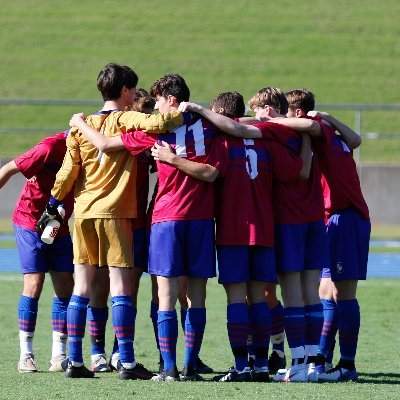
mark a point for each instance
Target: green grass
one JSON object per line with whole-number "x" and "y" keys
{"x": 377, "y": 361}
{"x": 345, "y": 51}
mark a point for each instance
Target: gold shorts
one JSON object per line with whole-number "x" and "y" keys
{"x": 103, "y": 242}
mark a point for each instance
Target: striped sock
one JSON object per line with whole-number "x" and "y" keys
{"x": 154, "y": 317}
{"x": 27, "y": 315}
{"x": 194, "y": 331}
{"x": 260, "y": 318}
{"x": 349, "y": 326}
{"x": 329, "y": 327}
{"x": 294, "y": 322}
{"x": 167, "y": 336}
{"x": 59, "y": 324}
{"x": 314, "y": 320}
{"x": 277, "y": 330}
{"x": 97, "y": 317}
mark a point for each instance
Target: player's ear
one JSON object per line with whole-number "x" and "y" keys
{"x": 221, "y": 111}
{"x": 171, "y": 100}
{"x": 299, "y": 113}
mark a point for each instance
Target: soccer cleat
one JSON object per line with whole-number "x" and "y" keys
{"x": 202, "y": 368}
{"x": 328, "y": 366}
{"x": 171, "y": 375}
{"x": 78, "y": 372}
{"x": 238, "y": 376}
{"x": 338, "y": 374}
{"x": 99, "y": 363}
{"x": 27, "y": 364}
{"x": 190, "y": 374}
{"x": 261, "y": 374}
{"x": 276, "y": 362}
{"x": 115, "y": 363}
{"x": 296, "y": 373}
{"x": 312, "y": 375}
{"x": 137, "y": 372}
{"x": 56, "y": 363}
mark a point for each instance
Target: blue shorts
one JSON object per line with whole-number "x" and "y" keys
{"x": 301, "y": 247}
{"x": 36, "y": 256}
{"x": 244, "y": 263}
{"x": 141, "y": 249}
{"x": 183, "y": 248}
{"x": 348, "y": 236}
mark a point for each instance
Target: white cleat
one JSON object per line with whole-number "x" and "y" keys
{"x": 312, "y": 375}
{"x": 296, "y": 373}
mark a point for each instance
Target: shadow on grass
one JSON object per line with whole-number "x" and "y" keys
{"x": 379, "y": 378}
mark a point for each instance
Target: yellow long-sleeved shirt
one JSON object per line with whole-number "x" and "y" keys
{"x": 105, "y": 184}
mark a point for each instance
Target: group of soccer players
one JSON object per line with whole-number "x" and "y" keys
{"x": 277, "y": 194}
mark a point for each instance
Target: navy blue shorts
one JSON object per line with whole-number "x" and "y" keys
{"x": 36, "y": 256}
{"x": 301, "y": 247}
{"x": 348, "y": 236}
{"x": 141, "y": 249}
{"x": 244, "y": 263}
{"x": 183, "y": 248}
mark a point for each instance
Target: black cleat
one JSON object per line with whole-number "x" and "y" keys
{"x": 261, "y": 374}
{"x": 190, "y": 374}
{"x": 171, "y": 375}
{"x": 236, "y": 376}
{"x": 138, "y": 372}
{"x": 78, "y": 372}
{"x": 202, "y": 368}
{"x": 275, "y": 362}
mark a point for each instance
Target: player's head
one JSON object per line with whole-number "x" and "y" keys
{"x": 169, "y": 91}
{"x": 143, "y": 102}
{"x": 230, "y": 104}
{"x": 301, "y": 101}
{"x": 269, "y": 102}
{"x": 115, "y": 81}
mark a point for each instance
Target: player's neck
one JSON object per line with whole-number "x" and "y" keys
{"x": 113, "y": 105}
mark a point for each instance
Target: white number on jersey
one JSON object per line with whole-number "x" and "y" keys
{"x": 198, "y": 134}
{"x": 251, "y": 159}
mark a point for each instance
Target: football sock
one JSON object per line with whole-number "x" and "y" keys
{"x": 314, "y": 320}
{"x": 76, "y": 321}
{"x": 329, "y": 327}
{"x": 294, "y": 322}
{"x": 277, "y": 330}
{"x": 349, "y": 326}
{"x": 59, "y": 323}
{"x": 238, "y": 331}
{"x": 183, "y": 318}
{"x": 27, "y": 315}
{"x": 260, "y": 322}
{"x": 97, "y": 319}
{"x": 167, "y": 336}
{"x": 123, "y": 319}
{"x": 194, "y": 331}
{"x": 154, "y": 317}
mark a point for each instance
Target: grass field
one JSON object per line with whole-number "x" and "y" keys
{"x": 345, "y": 51}
{"x": 377, "y": 361}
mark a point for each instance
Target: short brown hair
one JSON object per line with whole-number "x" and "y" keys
{"x": 272, "y": 97}
{"x": 171, "y": 85}
{"x": 302, "y": 99}
{"x": 231, "y": 102}
{"x": 143, "y": 100}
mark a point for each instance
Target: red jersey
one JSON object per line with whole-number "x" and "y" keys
{"x": 42, "y": 163}
{"x": 340, "y": 180}
{"x": 179, "y": 196}
{"x": 301, "y": 201}
{"x": 245, "y": 215}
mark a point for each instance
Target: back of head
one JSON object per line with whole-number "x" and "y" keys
{"x": 112, "y": 78}
{"x": 270, "y": 96}
{"x": 143, "y": 101}
{"x": 301, "y": 99}
{"x": 171, "y": 85}
{"x": 231, "y": 102}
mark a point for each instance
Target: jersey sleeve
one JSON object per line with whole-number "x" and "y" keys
{"x": 152, "y": 123}
{"x": 137, "y": 141}
{"x": 69, "y": 170}
{"x": 285, "y": 165}
{"x": 218, "y": 156}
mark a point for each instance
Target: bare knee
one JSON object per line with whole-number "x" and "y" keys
{"x": 33, "y": 285}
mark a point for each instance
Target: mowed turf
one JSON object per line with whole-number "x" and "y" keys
{"x": 345, "y": 51}
{"x": 377, "y": 361}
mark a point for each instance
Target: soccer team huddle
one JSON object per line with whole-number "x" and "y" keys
{"x": 256, "y": 201}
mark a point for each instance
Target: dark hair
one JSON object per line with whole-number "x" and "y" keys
{"x": 270, "y": 96}
{"x": 231, "y": 102}
{"x": 171, "y": 85}
{"x": 112, "y": 78}
{"x": 302, "y": 99}
{"x": 142, "y": 101}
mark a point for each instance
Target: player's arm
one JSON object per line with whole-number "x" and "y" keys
{"x": 106, "y": 144}
{"x": 352, "y": 139}
{"x": 165, "y": 154}
{"x": 7, "y": 171}
{"x": 304, "y": 125}
{"x": 225, "y": 124}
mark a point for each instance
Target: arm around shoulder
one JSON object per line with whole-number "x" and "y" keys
{"x": 7, "y": 171}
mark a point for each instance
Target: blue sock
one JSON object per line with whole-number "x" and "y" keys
{"x": 349, "y": 326}
{"x": 314, "y": 319}
{"x": 123, "y": 318}
{"x": 27, "y": 313}
{"x": 294, "y": 321}
{"x": 260, "y": 318}
{"x": 183, "y": 318}
{"x": 154, "y": 317}
{"x": 59, "y": 314}
{"x": 329, "y": 327}
{"x": 97, "y": 317}
{"x": 76, "y": 322}
{"x": 277, "y": 329}
{"x": 167, "y": 336}
{"x": 238, "y": 332}
{"x": 194, "y": 331}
